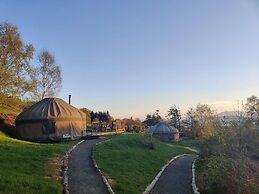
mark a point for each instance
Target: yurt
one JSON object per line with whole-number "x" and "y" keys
{"x": 164, "y": 131}
{"x": 50, "y": 119}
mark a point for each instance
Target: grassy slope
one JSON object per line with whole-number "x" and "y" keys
{"x": 191, "y": 142}
{"x": 131, "y": 164}
{"x": 24, "y": 166}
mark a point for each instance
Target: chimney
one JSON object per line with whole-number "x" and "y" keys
{"x": 69, "y": 99}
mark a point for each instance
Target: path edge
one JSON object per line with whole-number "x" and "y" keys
{"x": 105, "y": 180}
{"x": 152, "y": 184}
{"x": 194, "y": 186}
{"x": 65, "y": 168}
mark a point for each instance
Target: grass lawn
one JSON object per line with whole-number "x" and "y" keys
{"x": 30, "y": 167}
{"x": 191, "y": 142}
{"x": 130, "y": 162}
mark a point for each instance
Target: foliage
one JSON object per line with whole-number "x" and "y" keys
{"x": 202, "y": 120}
{"x": 48, "y": 73}
{"x": 25, "y": 166}
{"x": 223, "y": 174}
{"x": 130, "y": 162}
{"x": 13, "y": 105}
{"x": 134, "y": 125}
{"x": 152, "y": 119}
{"x": 17, "y": 76}
{"x": 88, "y": 114}
{"x": 229, "y": 158}
{"x": 149, "y": 141}
{"x": 175, "y": 117}
{"x": 252, "y": 107}
{"x": 101, "y": 116}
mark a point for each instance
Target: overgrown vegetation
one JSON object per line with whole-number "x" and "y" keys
{"x": 133, "y": 160}
{"x": 229, "y": 154}
{"x": 229, "y": 161}
{"x": 27, "y": 167}
{"x": 12, "y": 105}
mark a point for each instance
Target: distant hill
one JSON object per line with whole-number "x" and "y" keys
{"x": 230, "y": 113}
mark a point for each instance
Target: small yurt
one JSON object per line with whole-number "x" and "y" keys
{"x": 164, "y": 131}
{"x": 50, "y": 119}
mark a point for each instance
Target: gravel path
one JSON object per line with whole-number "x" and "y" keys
{"x": 82, "y": 176}
{"x": 177, "y": 177}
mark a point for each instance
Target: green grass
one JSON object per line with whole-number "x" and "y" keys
{"x": 25, "y": 167}
{"x": 131, "y": 164}
{"x": 191, "y": 142}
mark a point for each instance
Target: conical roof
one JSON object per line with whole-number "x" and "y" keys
{"x": 50, "y": 108}
{"x": 162, "y": 127}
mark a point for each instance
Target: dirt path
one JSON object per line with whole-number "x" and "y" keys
{"x": 82, "y": 176}
{"x": 177, "y": 177}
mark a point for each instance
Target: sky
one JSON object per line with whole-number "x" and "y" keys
{"x": 132, "y": 57}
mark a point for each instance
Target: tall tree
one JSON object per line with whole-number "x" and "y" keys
{"x": 202, "y": 120}
{"x": 175, "y": 117}
{"x": 16, "y": 74}
{"x": 252, "y": 107}
{"x": 152, "y": 119}
{"x": 49, "y": 79}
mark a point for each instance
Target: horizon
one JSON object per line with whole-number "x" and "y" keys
{"x": 132, "y": 58}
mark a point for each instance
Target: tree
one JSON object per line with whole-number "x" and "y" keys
{"x": 153, "y": 119}
{"x": 175, "y": 117}
{"x": 17, "y": 76}
{"x": 101, "y": 116}
{"x": 49, "y": 79}
{"x": 133, "y": 125}
{"x": 88, "y": 114}
{"x": 202, "y": 120}
{"x": 252, "y": 107}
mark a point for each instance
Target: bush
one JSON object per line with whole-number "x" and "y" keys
{"x": 228, "y": 162}
{"x": 220, "y": 174}
{"x": 148, "y": 141}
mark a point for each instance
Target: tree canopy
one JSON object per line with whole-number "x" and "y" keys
{"x": 202, "y": 120}
{"x": 48, "y": 76}
{"x": 17, "y": 75}
{"x": 175, "y": 117}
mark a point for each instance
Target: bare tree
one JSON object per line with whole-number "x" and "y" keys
{"x": 49, "y": 79}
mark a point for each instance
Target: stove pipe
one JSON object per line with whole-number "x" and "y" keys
{"x": 69, "y": 99}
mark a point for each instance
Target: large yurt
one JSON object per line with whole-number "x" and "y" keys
{"x": 164, "y": 132}
{"x": 51, "y": 119}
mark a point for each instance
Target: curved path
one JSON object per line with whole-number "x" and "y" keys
{"x": 177, "y": 177}
{"x": 82, "y": 175}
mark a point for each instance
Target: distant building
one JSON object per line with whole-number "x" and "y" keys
{"x": 118, "y": 125}
{"x": 164, "y": 132}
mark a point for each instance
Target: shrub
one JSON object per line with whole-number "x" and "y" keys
{"x": 148, "y": 141}
{"x": 228, "y": 162}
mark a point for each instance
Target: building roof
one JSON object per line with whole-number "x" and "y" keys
{"x": 50, "y": 108}
{"x": 162, "y": 127}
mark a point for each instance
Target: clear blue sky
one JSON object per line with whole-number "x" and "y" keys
{"x": 132, "y": 57}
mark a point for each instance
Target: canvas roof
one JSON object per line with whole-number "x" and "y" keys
{"x": 162, "y": 127}
{"x": 50, "y": 108}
